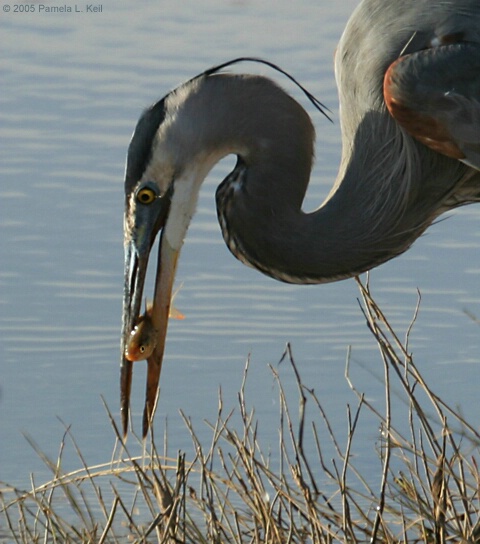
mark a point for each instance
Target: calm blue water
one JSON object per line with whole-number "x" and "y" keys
{"x": 73, "y": 86}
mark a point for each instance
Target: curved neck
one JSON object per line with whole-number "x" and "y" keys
{"x": 384, "y": 198}
{"x": 386, "y": 194}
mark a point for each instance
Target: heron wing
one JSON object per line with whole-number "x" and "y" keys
{"x": 434, "y": 94}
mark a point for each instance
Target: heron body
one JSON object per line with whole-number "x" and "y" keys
{"x": 408, "y": 75}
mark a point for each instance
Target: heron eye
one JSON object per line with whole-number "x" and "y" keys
{"x": 146, "y": 195}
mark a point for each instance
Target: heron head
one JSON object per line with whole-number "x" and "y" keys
{"x": 149, "y": 180}
{"x": 166, "y": 164}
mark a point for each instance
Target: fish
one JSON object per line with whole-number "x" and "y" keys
{"x": 143, "y": 338}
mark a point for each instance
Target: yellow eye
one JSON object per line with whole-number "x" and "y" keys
{"x": 146, "y": 195}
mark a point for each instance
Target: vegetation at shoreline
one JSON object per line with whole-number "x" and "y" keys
{"x": 428, "y": 487}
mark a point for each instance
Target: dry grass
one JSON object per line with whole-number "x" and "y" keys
{"x": 428, "y": 490}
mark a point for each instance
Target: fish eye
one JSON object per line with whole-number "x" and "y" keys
{"x": 142, "y": 349}
{"x": 146, "y": 195}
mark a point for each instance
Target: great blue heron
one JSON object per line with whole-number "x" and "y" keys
{"x": 408, "y": 75}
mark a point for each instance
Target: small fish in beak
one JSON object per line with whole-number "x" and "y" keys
{"x": 143, "y": 338}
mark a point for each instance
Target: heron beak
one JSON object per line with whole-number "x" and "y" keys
{"x": 136, "y": 262}
{"x": 137, "y": 253}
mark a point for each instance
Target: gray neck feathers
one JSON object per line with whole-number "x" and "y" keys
{"x": 389, "y": 188}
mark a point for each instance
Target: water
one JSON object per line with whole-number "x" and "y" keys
{"x": 73, "y": 87}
